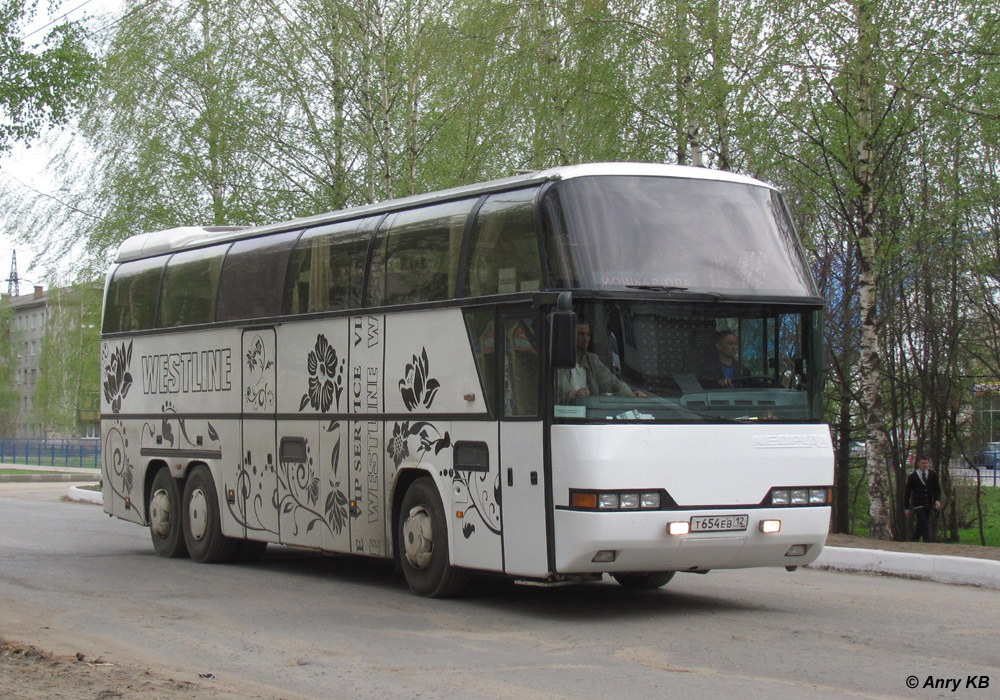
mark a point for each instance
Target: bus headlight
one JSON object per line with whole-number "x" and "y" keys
{"x": 631, "y": 500}
{"x": 819, "y": 497}
{"x": 679, "y": 527}
{"x": 799, "y": 496}
{"x": 769, "y": 527}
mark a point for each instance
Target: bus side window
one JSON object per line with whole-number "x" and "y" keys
{"x": 132, "y": 292}
{"x": 521, "y": 367}
{"x": 503, "y": 255}
{"x": 416, "y": 254}
{"x": 480, "y": 324}
{"x": 326, "y": 271}
{"x": 253, "y": 274}
{"x": 190, "y": 286}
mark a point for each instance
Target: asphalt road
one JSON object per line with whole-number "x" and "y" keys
{"x": 321, "y": 627}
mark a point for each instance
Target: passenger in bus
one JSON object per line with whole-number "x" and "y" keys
{"x": 723, "y": 370}
{"x": 590, "y": 377}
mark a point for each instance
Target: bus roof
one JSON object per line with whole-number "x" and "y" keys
{"x": 185, "y": 237}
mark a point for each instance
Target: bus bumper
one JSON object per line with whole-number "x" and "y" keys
{"x": 590, "y": 542}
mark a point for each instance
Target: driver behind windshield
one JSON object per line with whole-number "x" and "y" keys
{"x": 590, "y": 377}
{"x": 723, "y": 370}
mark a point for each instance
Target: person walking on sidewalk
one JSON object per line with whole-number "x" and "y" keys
{"x": 923, "y": 492}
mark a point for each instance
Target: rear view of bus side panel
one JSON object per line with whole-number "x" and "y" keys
{"x": 168, "y": 399}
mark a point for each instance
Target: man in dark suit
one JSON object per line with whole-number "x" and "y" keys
{"x": 923, "y": 492}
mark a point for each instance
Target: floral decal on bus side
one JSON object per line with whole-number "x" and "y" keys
{"x": 252, "y": 507}
{"x": 326, "y": 377}
{"x": 418, "y": 390}
{"x": 416, "y": 386}
{"x": 118, "y": 470}
{"x": 117, "y": 375}
{"x": 430, "y": 438}
{"x": 485, "y": 495}
{"x": 173, "y": 433}
{"x": 259, "y": 394}
{"x": 296, "y": 497}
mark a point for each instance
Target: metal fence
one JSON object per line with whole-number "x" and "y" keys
{"x": 84, "y": 453}
{"x": 989, "y": 476}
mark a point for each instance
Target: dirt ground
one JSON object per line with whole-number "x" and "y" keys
{"x": 28, "y": 673}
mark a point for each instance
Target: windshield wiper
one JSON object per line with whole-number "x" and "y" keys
{"x": 715, "y": 296}
{"x": 656, "y": 288}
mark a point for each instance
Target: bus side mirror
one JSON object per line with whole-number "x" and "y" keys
{"x": 562, "y": 334}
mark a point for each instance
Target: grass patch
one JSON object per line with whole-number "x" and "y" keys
{"x": 968, "y": 521}
{"x": 88, "y": 464}
{"x": 17, "y": 472}
{"x": 965, "y": 508}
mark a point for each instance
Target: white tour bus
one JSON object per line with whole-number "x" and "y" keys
{"x": 397, "y": 380}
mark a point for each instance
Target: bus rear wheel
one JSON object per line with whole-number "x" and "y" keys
{"x": 202, "y": 525}
{"x": 423, "y": 544}
{"x": 165, "y": 528}
{"x": 647, "y": 580}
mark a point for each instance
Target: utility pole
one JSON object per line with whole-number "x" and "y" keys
{"x": 13, "y": 281}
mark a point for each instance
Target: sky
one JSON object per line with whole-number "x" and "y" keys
{"x": 28, "y": 165}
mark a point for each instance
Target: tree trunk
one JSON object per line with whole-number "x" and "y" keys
{"x": 879, "y": 516}
{"x": 842, "y": 472}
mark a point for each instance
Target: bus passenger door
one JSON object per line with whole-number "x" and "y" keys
{"x": 522, "y": 474}
{"x": 250, "y": 499}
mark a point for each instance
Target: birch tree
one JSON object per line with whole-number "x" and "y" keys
{"x": 40, "y": 84}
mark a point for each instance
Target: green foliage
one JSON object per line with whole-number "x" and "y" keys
{"x": 39, "y": 85}
{"x": 66, "y": 398}
{"x": 968, "y": 518}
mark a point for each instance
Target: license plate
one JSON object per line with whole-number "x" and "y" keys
{"x": 719, "y": 523}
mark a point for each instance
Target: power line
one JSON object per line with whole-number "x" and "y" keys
{"x": 60, "y": 17}
{"x": 115, "y": 23}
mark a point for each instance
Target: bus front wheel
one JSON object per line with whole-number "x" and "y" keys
{"x": 165, "y": 528}
{"x": 202, "y": 525}
{"x": 423, "y": 543}
{"x": 650, "y": 579}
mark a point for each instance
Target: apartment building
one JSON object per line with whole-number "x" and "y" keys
{"x": 30, "y": 324}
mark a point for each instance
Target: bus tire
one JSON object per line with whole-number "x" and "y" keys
{"x": 423, "y": 544}
{"x": 202, "y": 525}
{"x": 165, "y": 521}
{"x": 647, "y": 580}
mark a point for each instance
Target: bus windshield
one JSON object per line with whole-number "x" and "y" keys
{"x": 641, "y": 360}
{"x": 680, "y": 234}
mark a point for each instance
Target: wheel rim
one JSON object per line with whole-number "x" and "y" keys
{"x": 160, "y": 512}
{"x": 418, "y": 538}
{"x": 198, "y": 514}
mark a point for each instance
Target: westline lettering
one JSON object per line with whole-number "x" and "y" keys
{"x": 187, "y": 372}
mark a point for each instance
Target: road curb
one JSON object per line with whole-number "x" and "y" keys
{"x": 85, "y": 495}
{"x": 44, "y": 477}
{"x": 940, "y": 568}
